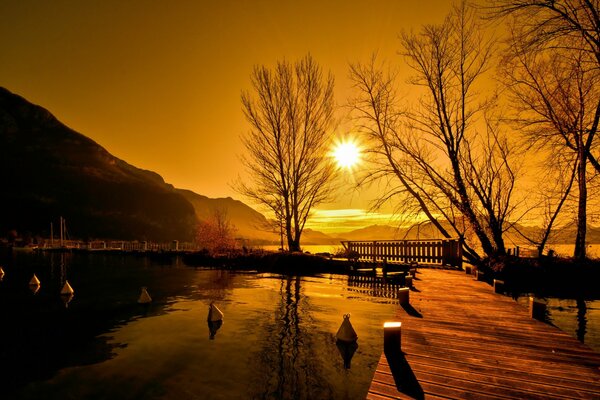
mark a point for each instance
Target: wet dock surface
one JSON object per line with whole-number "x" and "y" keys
{"x": 460, "y": 340}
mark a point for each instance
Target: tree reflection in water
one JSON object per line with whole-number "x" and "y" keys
{"x": 581, "y": 320}
{"x": 292, "y": 349}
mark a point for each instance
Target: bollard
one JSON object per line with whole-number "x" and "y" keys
{"x": 408, "y": 281}
{"x": 468, "y": 270}
{"x": 403, "y": 295}
{"x": 537, "y": 308}
{"x": 498, "y": 286}
{"x": 392, "y": 337}
{"x": 479, "y": 275}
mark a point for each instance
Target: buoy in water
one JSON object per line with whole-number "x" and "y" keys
{"x": 347, "y": 350}
{"x": 213, "y": 327}
{"x": 346, "y": 333}
{"x": 66, "y": 299}
{"x": 34, "y": 281}
{"x": 67, "y": 290}
{"x": 144, "y": 296}
{"x": 214, "y": 314}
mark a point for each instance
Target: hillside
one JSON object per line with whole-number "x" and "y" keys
{"x": 248, "y": 223}
{"x": 427, "y": 231}
{"x": 48, "y": 170}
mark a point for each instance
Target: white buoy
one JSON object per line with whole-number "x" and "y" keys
{"x": 66, "y": 299}
{"x": 214, "y": 314}
{"x": 67, "y": 290}
{"x": 144, "y": 296}
{"x": 34, "y": 281}
{"x": 346, "y": 333}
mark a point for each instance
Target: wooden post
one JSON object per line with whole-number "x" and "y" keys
{"x": 537, "y": 308}
{"x": 392, "y": 337}
{"x": 479, "y": 275}
{"x": 404, "y": 295}
{"x": 408, "y": 281}
{"x": 498, "y": 286}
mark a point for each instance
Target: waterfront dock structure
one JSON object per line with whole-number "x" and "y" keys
{"x": 438, "y": 252}
{"x": 119, "y": 245}
{"x": 460, "y": 340}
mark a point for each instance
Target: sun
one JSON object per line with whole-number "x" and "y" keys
{"x": 346, "y": 154}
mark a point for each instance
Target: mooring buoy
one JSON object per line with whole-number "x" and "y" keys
{"x": 67, "y": 290}
{"x": 347, "y": 350}
{"x": 144, "y": 296}
{"x": 34, "y": 281}
{"x": 346, "y": 332}
{"x": 214, "y": 314}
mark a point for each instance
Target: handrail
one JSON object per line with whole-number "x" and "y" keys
{"x": 423, "y": 251}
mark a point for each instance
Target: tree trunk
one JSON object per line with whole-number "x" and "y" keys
{"x": 580, "y": 252}
{"x": 293, "y": 245}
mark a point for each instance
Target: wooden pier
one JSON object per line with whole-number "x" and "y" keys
{"x": 460, "y": 340}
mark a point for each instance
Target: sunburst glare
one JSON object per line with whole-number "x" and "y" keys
{"x": 346, "y": 154}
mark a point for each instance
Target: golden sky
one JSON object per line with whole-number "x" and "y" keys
{"x": 158, "y": 83}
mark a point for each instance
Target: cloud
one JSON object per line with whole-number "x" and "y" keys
{"x": 344, "y": 220}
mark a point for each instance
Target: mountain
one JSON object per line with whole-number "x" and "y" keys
{"x": 426, "y": 230}
{"x": 48, "y": 170}
{"x": 386, "y": 232}
{"x": 247, "y": 222}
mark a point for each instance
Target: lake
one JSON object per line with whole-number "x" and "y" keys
{"x": 277, "y": 339}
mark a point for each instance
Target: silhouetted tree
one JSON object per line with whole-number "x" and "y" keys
{"x": 291, "y": 117}
{"x": 566, "y": 25}
{"x": 452, "y": 161}
{"x": 552, "y": 67}
{"x": 216, "y": 233}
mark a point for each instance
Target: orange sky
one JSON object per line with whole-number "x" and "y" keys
{"x": 158, "y": 83}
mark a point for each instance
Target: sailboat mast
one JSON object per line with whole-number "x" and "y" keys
{"x": 62, "y": 227}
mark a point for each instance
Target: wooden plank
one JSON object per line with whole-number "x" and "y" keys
{"x": 460, "y": 340}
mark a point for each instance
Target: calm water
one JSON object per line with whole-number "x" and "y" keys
{"x": 579, "y": 318}
{"x": 277, "y": 339}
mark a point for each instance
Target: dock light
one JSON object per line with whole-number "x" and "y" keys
{"x": 1, "y": 273}
{"x": 392, "y": 337}
{"x": 403, "y": 295}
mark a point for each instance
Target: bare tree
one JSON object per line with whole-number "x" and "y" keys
{"x": 571, "y": 26}
{"x": 216, "y": 233}
{"x": 557, "y": 102}
{"x": 290, "y": 113}
{"x": 452, "y": 162}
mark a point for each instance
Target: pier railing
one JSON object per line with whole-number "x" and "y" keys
{"x": 436, "y": 252}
